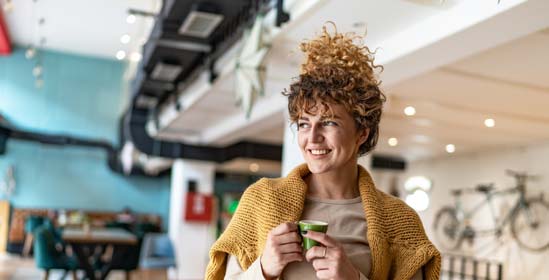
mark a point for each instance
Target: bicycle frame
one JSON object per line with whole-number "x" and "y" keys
{"x": 464, "y": 216}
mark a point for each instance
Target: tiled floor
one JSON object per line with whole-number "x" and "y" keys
{"x": 17, "y": 268}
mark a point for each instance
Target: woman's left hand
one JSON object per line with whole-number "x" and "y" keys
{"x": 330, "y": 262}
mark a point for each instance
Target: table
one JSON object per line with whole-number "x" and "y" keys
{"x": 86, "y": 242}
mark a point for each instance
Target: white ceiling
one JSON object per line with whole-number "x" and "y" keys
{"x": 85, "y": 27}
{"x": 456, "y": 67}
{"x": 458, "y": 63}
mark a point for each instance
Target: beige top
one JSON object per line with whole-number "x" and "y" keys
{"x": 347, "y": 224}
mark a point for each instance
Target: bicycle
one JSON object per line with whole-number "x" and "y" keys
{"x": 528, "y": 216}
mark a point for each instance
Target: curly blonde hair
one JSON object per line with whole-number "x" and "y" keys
{"x": 336, "y": 70}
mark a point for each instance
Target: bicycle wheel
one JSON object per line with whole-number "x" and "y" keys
{"x": 530, "y": 225}
{"x": 446, "y": 228}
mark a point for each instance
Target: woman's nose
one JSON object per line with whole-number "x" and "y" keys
{"x": 316, "y": 134}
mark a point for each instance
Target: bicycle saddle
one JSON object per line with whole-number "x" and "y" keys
{"x": 485, "y": 188}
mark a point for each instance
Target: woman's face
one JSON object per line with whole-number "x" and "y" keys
{"x": 329, "y": 143}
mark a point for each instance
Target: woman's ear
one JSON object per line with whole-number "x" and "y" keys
{"x": 363, "y": 135}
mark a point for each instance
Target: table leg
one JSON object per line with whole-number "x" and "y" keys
{"x": 83, "y": 258}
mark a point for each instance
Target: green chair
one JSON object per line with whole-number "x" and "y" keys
{"x": 31, "y": 223}
{"x": 47, "y": 256}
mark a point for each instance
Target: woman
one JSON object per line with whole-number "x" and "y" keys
{"x": 336, "y": 103}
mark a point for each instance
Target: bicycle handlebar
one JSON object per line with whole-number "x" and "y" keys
{"x": 520, "y": 175}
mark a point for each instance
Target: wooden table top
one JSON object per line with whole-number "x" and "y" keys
{"x": 99, "y": 235}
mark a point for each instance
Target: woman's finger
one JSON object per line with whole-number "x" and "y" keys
{"x": 290, "y": 248}
{"x": 316, "y": 252}
{"x": 292, "y": 257}
{"x": 324, "y": 274}
{"x": 320, "y": 264}
{"x": 321, "y": 237}
{"x": 290, "y": 237}
{"x": 284, "y": 228}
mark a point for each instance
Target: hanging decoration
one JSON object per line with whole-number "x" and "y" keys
{"x": 7, "y": 185}
{"x": 34, "y": 50}
{"x": 250, "y": 69}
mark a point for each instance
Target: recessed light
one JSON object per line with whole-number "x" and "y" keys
{"x": 135, "y": 56}
{"x": 254, "y": 167}
{"x": 489, "y": 122}
{"x": 120, "y": 55}
{"x": 392, "y": 141}
{"x": 410, "y": 111}
{"x": 125, "y": 39}
{"x": 130, "y": 19}
{"x": 450, "y": 148}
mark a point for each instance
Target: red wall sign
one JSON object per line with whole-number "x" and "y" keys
{"x": 5, "y": 45}
{"x": 198, "y": 207}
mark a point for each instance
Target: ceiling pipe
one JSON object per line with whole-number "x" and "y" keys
{"x": 5, "y": 44}
{"x": 133, "y": 129}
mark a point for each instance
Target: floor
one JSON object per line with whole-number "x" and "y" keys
{"x": 18, "y": 268}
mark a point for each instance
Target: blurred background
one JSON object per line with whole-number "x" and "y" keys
{"x": 129, "y": 129}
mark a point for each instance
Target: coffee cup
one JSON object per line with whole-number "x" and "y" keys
{"x": 311, "y": 225}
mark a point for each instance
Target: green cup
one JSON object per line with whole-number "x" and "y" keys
{"x": 311, "y": 225}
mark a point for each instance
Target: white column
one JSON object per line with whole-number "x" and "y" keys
{"x": 291, "y": 154}
{"x": 192, "y": 241}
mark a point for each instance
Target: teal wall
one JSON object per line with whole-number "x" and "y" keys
{"x": 83, "y": 97}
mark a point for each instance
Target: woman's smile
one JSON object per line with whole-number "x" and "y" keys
{"x": 330, "y": 140}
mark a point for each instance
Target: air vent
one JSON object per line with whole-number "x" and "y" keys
{"x": 166, "y": 72}
{"x": 200, "y": 24}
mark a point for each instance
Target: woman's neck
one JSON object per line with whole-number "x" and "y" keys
{"x": 336, "y": 184}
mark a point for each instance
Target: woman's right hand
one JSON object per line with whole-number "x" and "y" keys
{"x": 283, "y": 246}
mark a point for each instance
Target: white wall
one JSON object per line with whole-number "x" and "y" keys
{"x": 192, "y": 241}
{"x": 460, "y": 171}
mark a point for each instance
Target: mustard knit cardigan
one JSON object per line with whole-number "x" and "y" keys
{"x": 395, "y": 234}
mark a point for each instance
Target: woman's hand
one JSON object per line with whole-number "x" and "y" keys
{"x": 330, "y": 262}
{"x": 283, "y": 246}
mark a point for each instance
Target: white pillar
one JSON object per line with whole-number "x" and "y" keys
{"x": 192, "y": 241}
{"x": 291, "y": 154}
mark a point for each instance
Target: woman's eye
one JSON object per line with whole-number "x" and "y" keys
{"x": 302, "y": 125}
{"x": 329, "y": 123}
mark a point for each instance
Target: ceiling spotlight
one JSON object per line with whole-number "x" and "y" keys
{"x": 135, "y": 57}
{"x": 120, "y": 55}
{"x": 37, "y": 70}
{"x": 410, "y": 111}
{"x": 392, "y": 141}
{"x": 489, "y": 122}
{"x": 125, "y": 39}
{"x": 254, "y": 167}
{"x": 130, "y": 19}
{"x": 450, "y": 148}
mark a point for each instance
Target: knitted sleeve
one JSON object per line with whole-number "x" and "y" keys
{"x": 238, "y": 239}
{"x": 413, "y": 250}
